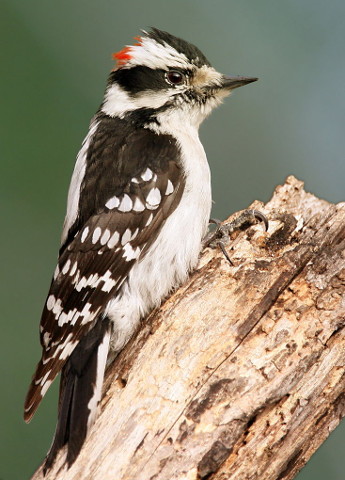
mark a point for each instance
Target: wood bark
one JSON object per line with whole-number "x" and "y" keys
{"x": 240, "y": 373}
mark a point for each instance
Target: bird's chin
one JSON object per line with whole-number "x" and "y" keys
{"x": 215, "y": 97}
{"x": 223, "y": 93}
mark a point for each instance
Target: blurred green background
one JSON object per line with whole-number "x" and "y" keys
{"x": 55, "y": 60}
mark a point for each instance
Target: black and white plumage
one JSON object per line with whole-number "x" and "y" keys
{"x": 138, "y": 207}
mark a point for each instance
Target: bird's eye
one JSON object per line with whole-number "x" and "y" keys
{"x": 174, "y": 77}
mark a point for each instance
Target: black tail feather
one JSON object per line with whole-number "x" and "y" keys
{"x": 79, "y": 385}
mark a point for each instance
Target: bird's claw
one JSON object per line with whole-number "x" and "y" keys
{"x": 221, "y": 236}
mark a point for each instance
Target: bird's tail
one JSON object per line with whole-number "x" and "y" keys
{"x": 80, "y": 393}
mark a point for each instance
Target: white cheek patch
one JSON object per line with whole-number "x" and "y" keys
{"x": 117, "y": 102}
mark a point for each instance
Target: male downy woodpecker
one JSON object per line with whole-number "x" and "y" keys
{"x": 138, "y": 208}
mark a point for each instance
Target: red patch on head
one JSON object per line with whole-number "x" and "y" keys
{"x": 124, "y": 55}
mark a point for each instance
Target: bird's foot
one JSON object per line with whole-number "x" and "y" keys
{"x": 221, "y": 236}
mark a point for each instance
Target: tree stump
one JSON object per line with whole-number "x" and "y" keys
{"x": 240, "y": 373}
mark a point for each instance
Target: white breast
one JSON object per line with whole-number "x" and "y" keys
{"x": 176, "y": 250}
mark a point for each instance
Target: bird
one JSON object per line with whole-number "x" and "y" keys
{"x": 138, "y": 208}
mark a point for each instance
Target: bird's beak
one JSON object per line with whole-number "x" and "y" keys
{"x": 230, "y": 83}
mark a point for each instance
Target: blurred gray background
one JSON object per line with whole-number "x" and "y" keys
{"x": 55, "y": 60}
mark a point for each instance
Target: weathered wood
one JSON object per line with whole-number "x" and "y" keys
{"x": 240, "y": 374}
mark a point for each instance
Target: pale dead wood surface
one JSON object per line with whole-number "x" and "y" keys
{"x": 240, "y": 374}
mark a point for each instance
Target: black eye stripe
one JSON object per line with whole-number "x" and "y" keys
{"x": 138, "y": 79}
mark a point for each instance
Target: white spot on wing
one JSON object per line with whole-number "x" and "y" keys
{"x": 149, "y": 220}
{"x": 42, "y": 380}
{"x": 134, "y": 234}
{"x": 63, "y": 318}
{"x": 81, "y": 284}
{"x": 93, "y": 280}
{"x": 96, "y": 234}
{"x": 138, "y": 205}
{"x": 112, "y": 203}
{"x": 57, "y": 309}
{"x": 46, "y": 359}
{"x": 113, "y": 240}
{"x": 56, "y": 272}
{"x": 73, "y": 269}
{"x": 74, "y": 314}
{"x": 153, "y": 199}
{"x": 129, "y": 253}
{"x": 170, "y": 188}
{"x": 105, "y": 237}
{"x": 86, "y": 310}
{"x": 147, "y": 175}
{"x": 66, "y": 267}
{"x": 45, "y": 387}
{"x": 109, "y": 283}
{"x": 67, "y": 350}
{"x": 50, "y": 302}
{"x": 126, "y": 236}
{"x": 126, "y": 204}
{"x": 84, "y": 234}
{"x": 46, "y": 338}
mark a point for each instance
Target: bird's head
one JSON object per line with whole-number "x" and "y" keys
{"x": 162, "y": 77}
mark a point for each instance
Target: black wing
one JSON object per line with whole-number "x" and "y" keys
{"x": 129, "y": 203}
